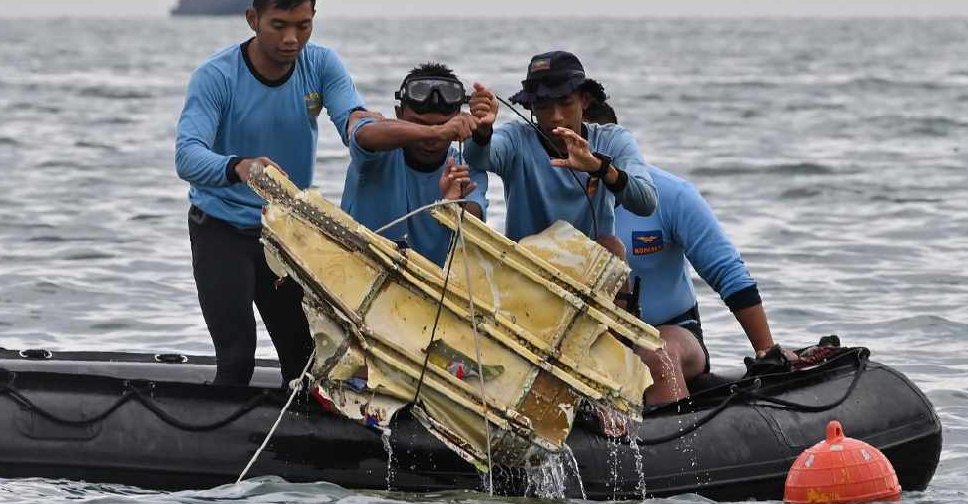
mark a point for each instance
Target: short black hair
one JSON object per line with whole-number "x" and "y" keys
{"x": 430, "y": 69}
{"x": 600, "y": 112}
{"x": 260, "y": 6}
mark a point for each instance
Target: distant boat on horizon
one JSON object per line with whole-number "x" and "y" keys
{"x": 210, "y": 7}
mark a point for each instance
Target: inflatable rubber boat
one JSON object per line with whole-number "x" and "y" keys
{"x": 153, "y": 421}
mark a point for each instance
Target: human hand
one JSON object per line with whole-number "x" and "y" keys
{"x": 246, "y": 167}
{"x": 484, "y": 105}
{"x": 580, "y": 156}
{"x": 458, "y": 128}
{"x": 790, "y": 355}
{"x": 455, "y": 182}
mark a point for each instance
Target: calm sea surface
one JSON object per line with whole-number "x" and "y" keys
{"x": 834, "y": 152}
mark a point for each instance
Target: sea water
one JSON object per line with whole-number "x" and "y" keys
{"x": 832, "y": 150}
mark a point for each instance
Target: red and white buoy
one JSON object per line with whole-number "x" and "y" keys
{"x": 841, "y": 470}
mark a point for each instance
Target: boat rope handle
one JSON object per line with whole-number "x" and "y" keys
{"x": 136, "y": 395}
{"x": 750, "y": 393}
{"x": 296, "y": 385}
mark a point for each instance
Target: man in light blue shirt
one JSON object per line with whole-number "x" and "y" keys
{"x": 255, "y": 104}
{"x": 552, "y": 171}
{"x": 398, "y": 166}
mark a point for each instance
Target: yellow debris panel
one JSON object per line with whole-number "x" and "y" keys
{"x": 383, "y": 323}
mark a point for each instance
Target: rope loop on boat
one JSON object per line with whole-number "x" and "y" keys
{"x": 750, "y": 393}
{"x": 132, "y": 394}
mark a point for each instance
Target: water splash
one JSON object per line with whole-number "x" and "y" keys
{"x": 569, "y": 456}
{"x": 633, "y": 438}
{"x": 546, "y": 477}
{"x": 388, "y": 447}
{"x": 613, "y": 447}
{"x": 670, "y": 368}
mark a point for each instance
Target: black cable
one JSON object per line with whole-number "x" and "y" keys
{"x": 862, "y": 358}
{"x": 861, "y": 367}
{"x": 451, "y": 247}
{"x": 695, "y": 425}
{"x": 588, "y": 199}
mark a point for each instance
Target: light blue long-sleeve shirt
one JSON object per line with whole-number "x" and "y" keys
{"x": 231, "y": 112}
{"x": 380, "y": 188}
{"x": 538, "y": 194}
{"x": 660, "y": 247}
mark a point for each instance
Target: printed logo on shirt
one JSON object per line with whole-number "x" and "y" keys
{"x": 647, "y": 242}
{"x": 314, "y": 103}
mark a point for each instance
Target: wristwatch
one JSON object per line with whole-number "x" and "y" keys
{"x": 603, "y": 168}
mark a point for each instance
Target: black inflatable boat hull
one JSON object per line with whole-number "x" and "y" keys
{"x": 170, "y": 430}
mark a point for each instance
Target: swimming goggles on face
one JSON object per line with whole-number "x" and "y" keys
{"x": 433, "y": 92}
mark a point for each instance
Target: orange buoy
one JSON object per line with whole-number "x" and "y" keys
{"x": 841, "y": 470}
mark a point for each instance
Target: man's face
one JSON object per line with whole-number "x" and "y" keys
{"x": 564, "y": 112}
{"x": 282, "y": 33}
{"x": 429, "y": 151}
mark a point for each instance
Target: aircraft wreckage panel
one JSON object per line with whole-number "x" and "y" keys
{"x": 545, "y": 326}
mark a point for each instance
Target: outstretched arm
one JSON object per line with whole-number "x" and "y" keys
{"x": 718, "y": 262}
{"x": 626, "y": 175}
{"x": 393, "y": 134}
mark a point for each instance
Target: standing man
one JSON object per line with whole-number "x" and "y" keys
{"x": 398, "y": 166}
{"x": 552, "y": 171}
{"x": 255, "y": 104}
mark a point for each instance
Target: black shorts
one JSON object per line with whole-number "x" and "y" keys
{"x": 690, "y": 321}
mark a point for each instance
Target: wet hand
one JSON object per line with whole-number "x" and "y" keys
{"x": 579, "y": 153}
{"x": 458, "y": 128}
{"x": 455, "y": 182}
{"x": 484, "y": 105}
{"x": 245, "y": 167}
